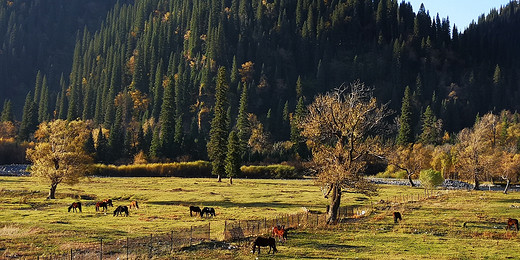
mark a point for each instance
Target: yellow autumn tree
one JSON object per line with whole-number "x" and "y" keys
{"x": 59, "y": 155}
{"x": 411, "y": 158}
{"x": 342, "y": 130}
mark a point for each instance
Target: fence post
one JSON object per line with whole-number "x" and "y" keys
{"x": 171, "y": 244}
{"x": 126, "y": 248}
{"x": 265, "y": 225}
{"x": 317, "y": 220}
{"x": 150, "y": 247}
{"x": 101, "y": 248}
{"x": 191, "y": 234}
{"x": 209, "y": 230}
{"x": 71, "y": 257}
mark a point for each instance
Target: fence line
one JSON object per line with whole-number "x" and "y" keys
{"x": 234, "y": 231}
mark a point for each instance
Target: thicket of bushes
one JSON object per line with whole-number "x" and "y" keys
{"x": 193, "y": 169}
{"x": 13, "y": 152}
{"x": 276, "y": 171}
{"x": 178, "y": 169}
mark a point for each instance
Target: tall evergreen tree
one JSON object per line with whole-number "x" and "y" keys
{"x": 29, "y": 118}
{"x": 167, "y": 120}
{"x": 218, "y": 134}
{"x": 233, "y": 161}
{"x": 102, "y": 151}
{"x": 298, "y": 141}
{"x": 430, "y": 129}
{"x": 244, "y": 131}
{"x": 7, "y": 112}
{"x": 406, "y": 134}
{"x": 43, "y": 107}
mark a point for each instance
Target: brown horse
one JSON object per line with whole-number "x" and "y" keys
{"x": 264, "y": 241}
{"x": 512, "y": 222}
{"x": 134, "y": 204}
{"x": 194, "y": 209}
{"x": 120, "y": 210}
{"x": 397, "y": 216}
{"x": 108, "y": 202}
{"x": 75, "y": 206}
{"x": 102, "y": 205}
{"x": 280, "y": 233}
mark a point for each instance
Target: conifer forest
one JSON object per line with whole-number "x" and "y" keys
{"x": 179, "y": 80}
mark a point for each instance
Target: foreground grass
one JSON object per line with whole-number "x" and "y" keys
{"x": 31, "y": 225}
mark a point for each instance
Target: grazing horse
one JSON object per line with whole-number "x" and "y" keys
{"x": 120, "y": 210}
{"x": 264, "y": 241}
{"x": 194, "y": 209}
{"x": 134, "y": 204}
{"x": 512, "y": 222}
{"x": 397, "y": 216}
{"x": 102, "y": 205}
{"x": 280, "y": 232}
{"x": 108, "y": 202}
{"x": 208, "y": 211}
{"x": 75, "y": 206}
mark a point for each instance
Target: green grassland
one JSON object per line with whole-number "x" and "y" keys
{"x": 431, "y": 228}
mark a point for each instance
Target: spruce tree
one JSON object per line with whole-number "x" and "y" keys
{"x": 89, "y": 145}
{"x": 233, "y": 161}
{"x": 219, "y": 126}
{"x": 7, "y": 112}
{"x": 406, "y": 134}
{"x": 43, "y": 107}
{"x": 430, "y": 130}
{"x": 29, "y": 118}
{"x": 244, "y": 131}
{"x": 299, "y": 146}
{"x": 167, "y": 120}
{"x": 101, "y": 147}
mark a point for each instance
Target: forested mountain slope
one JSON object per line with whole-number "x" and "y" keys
{"x": 148, "y": 72}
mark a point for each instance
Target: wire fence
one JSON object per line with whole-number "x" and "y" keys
{"x": 163, "y": 244}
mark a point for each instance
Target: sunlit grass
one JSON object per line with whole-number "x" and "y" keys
{"x": 432, "y": 228}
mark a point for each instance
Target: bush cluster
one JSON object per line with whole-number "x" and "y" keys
{"x": 177, "y": 169}
{"x": 276, "y": 171}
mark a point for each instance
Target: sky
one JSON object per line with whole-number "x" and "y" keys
{"x": 460, "y": 12}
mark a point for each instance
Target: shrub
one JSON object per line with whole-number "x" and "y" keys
{"x": 431, "y": 178}
{"x": 276, "y": 171}
{"x": 392, "y": 172}
{"x": 180, "y": 169}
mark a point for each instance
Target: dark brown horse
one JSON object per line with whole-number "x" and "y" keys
{"x": 512, "y": 222}
{"x": 209, "y": 212}
{"x": 134, "y": 204}
{"x": 75, "y": 206}
{"x": 120, "y": 210}
{"x": 102, "y": 205}
{"x": 264, "y": 241}
{"x": 194, "y": 209}
{"x": 108, "y": 202}
{"x": 397, "y": 216}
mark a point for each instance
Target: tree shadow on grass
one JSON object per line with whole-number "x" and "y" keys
{"x": 228, "y": 204}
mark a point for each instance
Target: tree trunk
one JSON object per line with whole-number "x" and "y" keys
{"x": 219, "y": 179}
{"x": 335, "y": 200}
{"x": 52, "y": 191}
{"x": 230, "y": 180}
{"x": 410, "y": 180}
{"x": 477, "y": 183}
{"x": 508, "y": 181}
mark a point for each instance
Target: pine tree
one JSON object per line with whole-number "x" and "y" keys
{"x": 299, "y": 146}
{"x": 219, "y": 126}
{"x": 244, "y": 131}
{"x": 101, "y": 147}
{"x": 155, "y": 145}
{"x": 29, "y": 118}
{"x": 167, "y": 120}
{"x": 43, "y": 107}
{"x": 89, "y": 145}
{"x": 7, "y": 112}
{"x": 116, "y": 138}
{"x": 233, "y": 161}
{"x": 406, "y": 134}
{"x": 430, "y": 128}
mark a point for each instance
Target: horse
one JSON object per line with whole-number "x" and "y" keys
{"x": 512, "y": 222}
{"x": 120, "y": 210}
{"x": 134, "y": 204}
{"x": 280, "y": 232}
{"x": 207, "y": 211}
{"x": 75, "y": 206}
{"x": 194, "y": 209}
{"x": 397, "y": 216}
{"x": 264, "y": 241}
{"x": 108, "y": 202}
{"x": 102, "y": 205}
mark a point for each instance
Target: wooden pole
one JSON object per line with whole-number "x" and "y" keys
{"x": 101, "y": 249}
{"x": 126, "y": 248}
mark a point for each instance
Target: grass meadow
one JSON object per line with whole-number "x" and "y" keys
{"x": 30, "y": 225}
